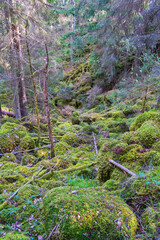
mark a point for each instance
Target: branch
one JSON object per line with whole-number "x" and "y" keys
{"x": 95, "y": 144}
{"x": 4, "y": 204}
{"x": 122, "y": 168}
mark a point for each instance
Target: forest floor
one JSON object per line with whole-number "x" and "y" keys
{"x": 79, "y": 194}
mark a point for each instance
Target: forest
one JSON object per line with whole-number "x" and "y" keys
{"x": 80, "y": 119}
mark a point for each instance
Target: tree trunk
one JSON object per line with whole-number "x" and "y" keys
{"x": 18, "y": 84}
{"x": 46, "y": 102}
{"x": 0, "y": 115}
{"x": 73, "y": 21}
{"x": 34, "y": 84}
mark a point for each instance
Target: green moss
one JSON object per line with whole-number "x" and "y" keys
{"x": 111, "y": 185}
{"x": 115, "y": 114}
{"x": 146, "y": 116}
{"x": 9, "y": 157}
{"x": 75, "y": 118}
{"x": 134, "y": 155}
{"x": 87, "y": 213}
{"x": 6, "y": 143}
{"x": 153, "y": 158}
{"x": 148, "y": 133}
{"x": 117, "y": 126}
{"x": 150, "y": 219}
{"x": 15, "y": 236}
{"x": 61, "y": 148}
{"x": 26, "y": 143}
{"x": 28, "y": 191}
{"x": 43, "y": 153}
{"x": 15, "y": 131}
{"x": 130, "y": 137}
{"x": 28, "y": 159}
{"x": 71, "y": 138}
{"x": 156, "y": 146}
{"x": 62, "y": 162}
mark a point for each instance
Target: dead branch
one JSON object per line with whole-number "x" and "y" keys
{"x": 122, "y": 168}
{"x": 95, "y": 144}
{"x": 4, "y": 204}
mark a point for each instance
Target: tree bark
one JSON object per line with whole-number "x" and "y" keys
{"x": 34, "y": 84}
{"x": 46, "y": 101}
{"x": 0, "y": 115}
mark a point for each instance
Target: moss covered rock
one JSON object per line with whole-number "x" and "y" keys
{"x": 75, "y": 118}
{"x": 6, "y": 143}
{"x": 71, "y": 138}
{"x": 148, "y": 134}
{"x": 8, "y": 157}
{"x": 146, "y": 116}
{"x": 15, "y": 131}
{"x": 153, "y": 157}
{"x": 26, "y": 143}
{"x": 130, "y": 137}
{"x": 61, "y": 148}
{"x": 150, "y": 219}
{"x": 87, "y": 213}
{"x": 15, "y": 236}
{"x": 28, "y": 159}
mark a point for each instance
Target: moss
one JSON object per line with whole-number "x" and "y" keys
{"x": 10, "y": 119}
{"x": 71, "y": 138}
{"x": 112, "y": 185}
{"x": 130, "y": 137}
{"x": 142, "y": 191}
{"x": 75, "y": 118}
{"x": 28, "y": 191}
{"x": 87, "y": 213}
{"x": 134, "y": 155}
{"x": 117, "y": 126}
{"x": 49, "y": 184}
{"x": 15, "y": 131}
{"x": 15, "y": 236}
{"x": 148, "y": 133}
{"x": 43, "y": 153}
{"x": 28, "y": 159}
{"x": 6, "y": 143}
{"x": 115, "y": 114}
{"x": 153, "y": 158}
{"x": 61, "y": 148}
{"x": 26, "y": 143}
{"x": 62, "y": 162}
{"x": 150, "y": 219}
{"x": 146, "y": 116}
{"x": 9, "y": 157}
{"x": 105, "y": 168}
{"x": 156, "y": 146}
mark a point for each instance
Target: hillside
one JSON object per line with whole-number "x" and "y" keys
{"x": 80, "y": 120}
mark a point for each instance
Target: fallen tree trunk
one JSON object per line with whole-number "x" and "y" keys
{"x": 9, "y": 114}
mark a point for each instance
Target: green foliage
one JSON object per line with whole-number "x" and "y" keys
{"x": 26, "y": 143}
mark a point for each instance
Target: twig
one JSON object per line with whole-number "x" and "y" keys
{"x": 52, "y": 232}
{"x": 95, "y": 144}
{"x": 4, "y": 204}
{"x": 122, "y": 168}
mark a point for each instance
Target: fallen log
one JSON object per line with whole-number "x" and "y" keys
{"x": 9, "y": 114}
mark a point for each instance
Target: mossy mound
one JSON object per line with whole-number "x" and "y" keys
{"x": 150, "y": 219}
{"x": 10, "y": 157}
{"x": 87, "y": 213}
{"x": 28, "y": 191}
{"x": 156, "y": 146}
{"x": 148, "y": 134}
{"x": 146, "y": 116}
{"x": 130, "y": 137}
{"x": 75, "y": 118}
{"x": 61, "y": 148}
{"x": 26, "y": 143}
{"x": 15, "y": 236}
{"x": 28, "y": 159}
{"x": 153, "y": 157}
{"x": 117, "y": 126}
{"x": 71, "y": 138}
{"x": 137, "y": 154}
{"x": 115, "y": 114}
{"x": 62, "y": 162}
{"x": 6, "y": 143}
{"x": 15, "y": 131}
